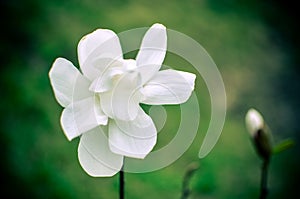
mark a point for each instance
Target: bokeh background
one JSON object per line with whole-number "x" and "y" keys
{"x": 255, "y": 45}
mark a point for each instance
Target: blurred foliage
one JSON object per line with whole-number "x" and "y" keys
{"x": 254, "y": 43}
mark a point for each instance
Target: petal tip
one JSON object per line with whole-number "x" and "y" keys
{"x": 68, "y": 125}
{"x": 54, "y": 65}
{"x": 159, "y": 26}
{"x": 92, "y": 172}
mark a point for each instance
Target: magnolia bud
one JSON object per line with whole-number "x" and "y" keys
{"x": 259, "y": 133}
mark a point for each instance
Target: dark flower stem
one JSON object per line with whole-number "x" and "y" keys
{"x": 186, "y": 180}
{"x": 122, "y": 183}
{"x": 264, "y": 180}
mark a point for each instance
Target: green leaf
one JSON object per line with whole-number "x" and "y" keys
{"x": 283, "y": 145}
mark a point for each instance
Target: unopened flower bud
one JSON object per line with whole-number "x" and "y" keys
{"x": 259, "y": 133}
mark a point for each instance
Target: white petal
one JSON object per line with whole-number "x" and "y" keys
{"x": 98, "y": 50}
{"x": 132, "y": 138}
{"x": 254, "y": 121}
{"x": 123, "y": 101}
{"x": 82, "y": 116}
{"x": 67, "y": 82}
{"x": 152, "y": 51}
{"x": 169, "y": 87}
{"x": 95, "y": 156}
{"x": 106, "y": 103}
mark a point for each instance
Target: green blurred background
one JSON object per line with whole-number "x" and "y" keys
{"x": 255, "y": 45}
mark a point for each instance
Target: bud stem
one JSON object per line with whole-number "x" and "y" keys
{"x": 186, "y": 179}
{"x": 264, "y": 180}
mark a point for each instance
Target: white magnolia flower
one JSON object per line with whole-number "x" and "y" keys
{"x": 101, "y": 104}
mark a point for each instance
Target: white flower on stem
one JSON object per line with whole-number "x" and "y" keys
{"x": 102, "y": 104}
{"x": 260, "y": 134}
